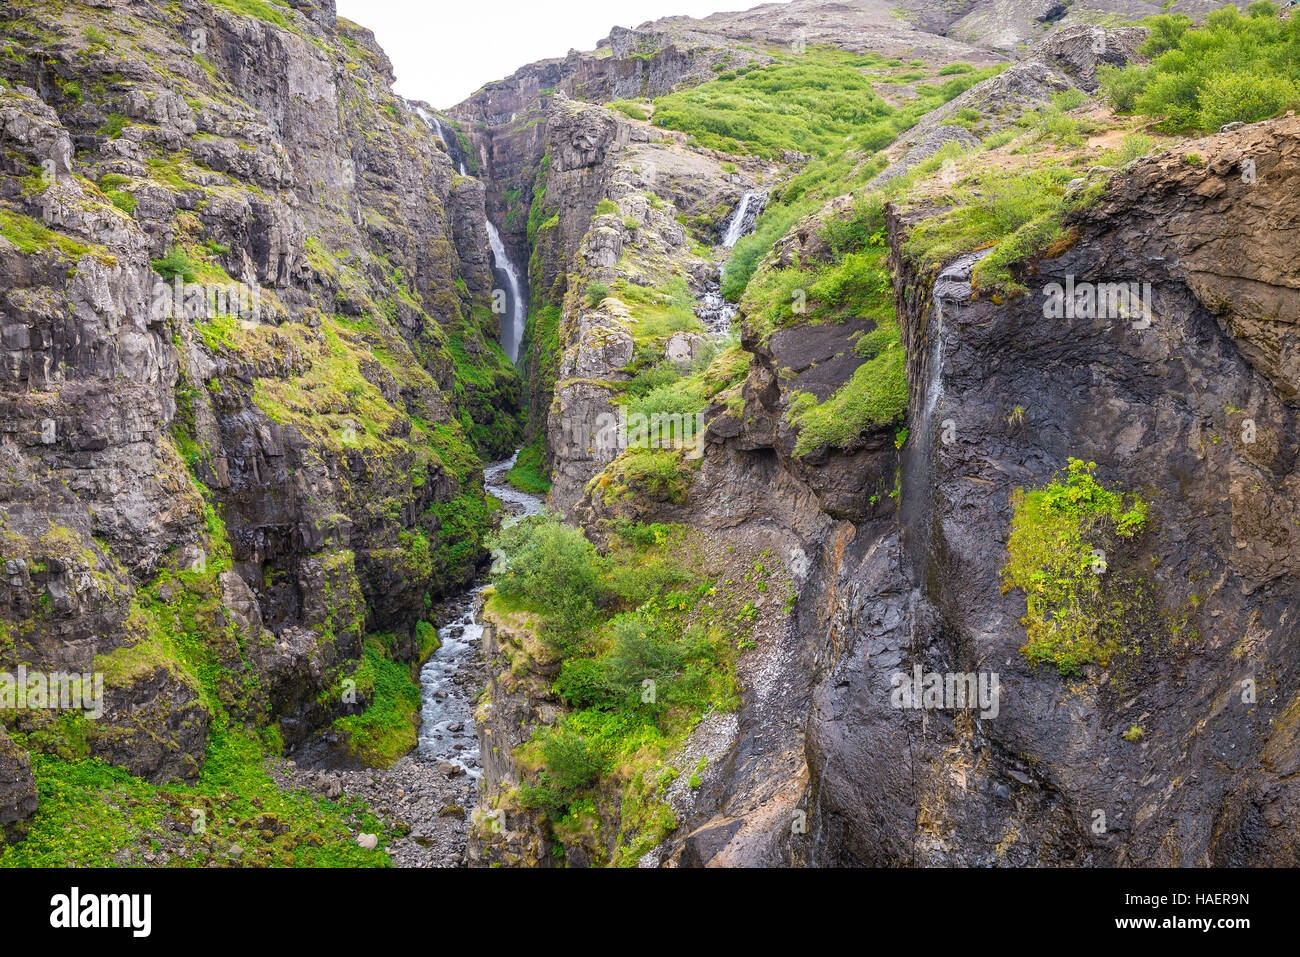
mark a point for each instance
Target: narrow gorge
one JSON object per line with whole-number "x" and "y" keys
{"x": 830, "y": 434}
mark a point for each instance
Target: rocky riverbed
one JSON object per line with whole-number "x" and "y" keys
{"x": 427, "y": 795}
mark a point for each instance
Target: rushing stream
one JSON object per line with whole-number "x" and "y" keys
{"x": 446, "y": 687}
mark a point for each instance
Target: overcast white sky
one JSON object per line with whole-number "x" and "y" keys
{"x": 444, "y": 50}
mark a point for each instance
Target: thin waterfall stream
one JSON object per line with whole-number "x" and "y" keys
{"x": 514, "y": 315}
{"x": 516, "y": 312}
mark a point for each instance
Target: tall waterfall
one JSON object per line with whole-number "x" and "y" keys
{"x": 715, "y": 311}
{"x": 516, "y": 314}
{"x": 512, "y": 321}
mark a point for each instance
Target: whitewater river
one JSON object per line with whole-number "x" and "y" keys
{"x": 447, "y": 685}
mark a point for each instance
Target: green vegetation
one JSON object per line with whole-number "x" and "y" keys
{"x": 1234, "y": 68}
{"x": 821, "y": 102}
{"x": 255, "y": 8}
{"x": 387, "y": 728}
{"x": 750, "y": 250}
{"x": 92, "y": 815}
{"x": 663, "y": 474}
{"x": 850, "y": 158}
{"x": 852, "y": 282}
{"x": 554, "y": 571}
{"x": 1015, "y": 212}
{"x": 113, "y": 126}
{"x": 634, "y": 111}
{"x": 1061, "y": 535}
{"x": 122, "y": 200}
{"x": 646, "y": 643}
{"x": 809, "y": 104}
{"x": 529, "y": 471}
{"x": 177, "y": 262}
{"x": 32, "y": 237}
{"x": 876, "y": 395}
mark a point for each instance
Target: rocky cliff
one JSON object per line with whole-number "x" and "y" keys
{"x": 213, "y": 499}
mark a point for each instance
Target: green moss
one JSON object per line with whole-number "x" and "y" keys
{"x": 1071, "y": 618}
{"x": 875, "y": 396}
{"x": 32, "y": 237}
{"x": 989, "y": 207}
{"x": 464, "y": 524}
{"x": 92, "y": 815}
{"x": 635, "y": 111}
{"x": 660, "y": 311}
{"x": 529, "y": 471}
{"x": 663, "y": 474}
{"x": 122, "y": 200}
{"x": 255, "y": 8}
{"x": 387, "y": 728}
{"x": 113, "y": 126}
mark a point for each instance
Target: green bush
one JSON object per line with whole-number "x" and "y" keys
{"x": 122, "y": 200}
{"x": 1233, "y": 68}
{"x": 571, "y": 765}
{"x": 596, "y": 293}
{"x": 554, "y": 570}
{"x": 177, "y": 262}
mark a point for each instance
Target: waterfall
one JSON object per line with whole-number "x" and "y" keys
{"x": 715, "y": 311}
{"x": 512, "y": 322}
{"x": 742, "y": 221}
{"x": 435, "y": 124}
{"x": 516, "y": 314}
{"x": 925, "y": 445}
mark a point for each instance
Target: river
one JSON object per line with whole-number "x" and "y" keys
{"x": 449, "y": 682}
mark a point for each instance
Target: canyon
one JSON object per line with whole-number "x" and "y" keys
{"x": 271, "y": 533}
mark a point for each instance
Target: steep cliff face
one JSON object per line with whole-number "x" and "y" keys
{"x": 1162, "y": 408}
{"x": 211, "y": 499}
{"x": 621, "y": 193}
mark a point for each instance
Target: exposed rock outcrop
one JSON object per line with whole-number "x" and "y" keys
{"x": 1161, "y": 409}
{"x": 270, "y": 480}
